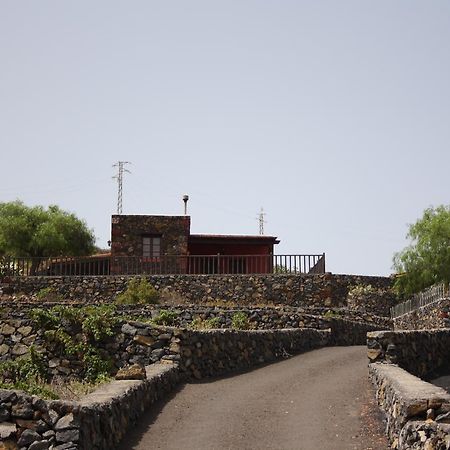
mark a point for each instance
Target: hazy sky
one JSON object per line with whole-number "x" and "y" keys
{"x": 332, "y": 115}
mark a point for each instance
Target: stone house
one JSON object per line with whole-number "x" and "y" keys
{"x": 165, "y": 244}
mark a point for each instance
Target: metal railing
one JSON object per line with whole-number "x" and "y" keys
{"x": 163, "y": 265}
{"x": 430, "y": 295}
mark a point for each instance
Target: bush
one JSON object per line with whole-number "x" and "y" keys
{"x": 165, "y": 318}
{"x": 138, "y": 292}
{"x": 240, "y": 321}
{"x": 204, "y": 324}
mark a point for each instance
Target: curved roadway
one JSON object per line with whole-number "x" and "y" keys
{"x": 317, "y": 400}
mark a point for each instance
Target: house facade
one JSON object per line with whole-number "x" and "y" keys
{"x": 164, "y": 244}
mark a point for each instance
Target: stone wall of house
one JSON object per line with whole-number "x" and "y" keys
{"x": 321, "y": 290}
{"x": 99, "y": 421}
{"x": 416, "y": 412}
{"x": 424, "y": 353}
{"x": 432, "y": 316}
{"x": 127, "y": 232}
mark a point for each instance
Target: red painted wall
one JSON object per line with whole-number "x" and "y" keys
{"x": 230, "y": 258}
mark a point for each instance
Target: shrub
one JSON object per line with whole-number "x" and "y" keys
{"x": 165, "y": 317}
{"x": 240, "y": 321}
{"x": 138, "y": 292}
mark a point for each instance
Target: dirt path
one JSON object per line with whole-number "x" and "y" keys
{"x": 318, "y": 400}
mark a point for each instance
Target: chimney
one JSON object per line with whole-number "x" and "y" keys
{"x": 185, "y": 200}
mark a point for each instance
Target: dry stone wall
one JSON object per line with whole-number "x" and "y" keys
{"x": 97, "y": 422}
{"x": 416, "y": 412}
{"x": 261, "y": 318}
{"x": 321, "y": 290}
{"x": 216, "y": 352}
{"x": 143, "y": 343}
{"x": 424, "y": 353}
{"x": 132, "y": 342}
{"x": 432, "y": 316}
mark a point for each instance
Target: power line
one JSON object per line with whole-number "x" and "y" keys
{"x": 119, "y": 177}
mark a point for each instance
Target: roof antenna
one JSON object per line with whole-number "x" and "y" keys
{"x": 185, "y": 200}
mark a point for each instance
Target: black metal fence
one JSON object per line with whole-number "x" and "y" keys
{"x": 430, "y": 295}
{"x": 164, "y": 265}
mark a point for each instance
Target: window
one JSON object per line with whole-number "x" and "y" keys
{"x": 151, "y": 246}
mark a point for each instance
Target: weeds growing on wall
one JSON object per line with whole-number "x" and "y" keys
{"x": 138, "y": 292}
{"x": 165, "y": 317}
{"x": 49, "y": 294}
{"x": 28, "y": 374}
{"x": 204, "y": 324}
{"x": 78, "y": 332}
{"x": 361, "y": 289}
{"x": 330, "y": 314}
{"x": 240, "y": 321}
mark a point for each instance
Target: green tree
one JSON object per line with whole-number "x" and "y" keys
{"x": 36, "y": 232}
{"x": 426, "y": 260}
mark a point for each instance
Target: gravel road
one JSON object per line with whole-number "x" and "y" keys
{"x": 317, "y": 400}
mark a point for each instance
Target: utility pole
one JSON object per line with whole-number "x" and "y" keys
{"x": 119, "y": 177}
{"x": 261, "y": 222}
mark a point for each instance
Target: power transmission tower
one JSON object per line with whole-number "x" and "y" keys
{"x": 119, "y": 177}
{"x": 261, "y": 222}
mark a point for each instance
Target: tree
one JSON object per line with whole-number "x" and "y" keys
{"x": 37, "y": 232}
{"x": 426, "y": 260}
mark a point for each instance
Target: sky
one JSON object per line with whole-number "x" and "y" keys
{"x": 332, "y": 116}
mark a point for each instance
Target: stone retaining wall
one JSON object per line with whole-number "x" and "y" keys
{"x": 217, "y": 352}
{"x": 431, "y": 316}
{"x": 99, "y": 421}
{"x": 415, "y": 410}
{"x": 424, "y": 353}
{"x": 323, "y": 290}
{"x": 144, "y": 343}
{"x": 261, "y": 318}
{"x": 132, "y": 342}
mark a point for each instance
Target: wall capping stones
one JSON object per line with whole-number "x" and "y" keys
{"x": 413, "y": 408}
{"x": 423, "y": 353}
{"x": 97, "y": 422}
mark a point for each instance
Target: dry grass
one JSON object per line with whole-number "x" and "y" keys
{"x": 73, "y": 389}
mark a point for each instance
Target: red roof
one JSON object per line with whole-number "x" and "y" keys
{"x": 234, "y": 237}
